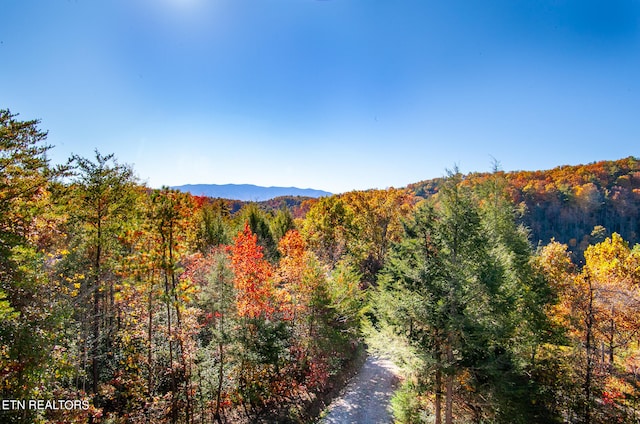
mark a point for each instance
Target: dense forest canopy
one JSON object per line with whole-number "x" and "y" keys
{"x": 567, "y": 203}
{"x": 120, "y": 303}
{"x": 575, "y": 205}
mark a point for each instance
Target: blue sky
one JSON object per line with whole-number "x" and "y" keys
{"x": 328, "y": 94}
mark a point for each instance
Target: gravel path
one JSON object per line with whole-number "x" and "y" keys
{"x": 366, "y": 398}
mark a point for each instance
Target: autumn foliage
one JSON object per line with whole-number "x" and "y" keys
{"x": 252, "y": 279}
{"x": 155, "y": 306}
{"x": 566, "y": 203}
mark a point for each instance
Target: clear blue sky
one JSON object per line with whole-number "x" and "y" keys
{"x": 328, "y": 94}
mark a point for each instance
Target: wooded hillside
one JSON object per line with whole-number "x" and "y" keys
{"x": 125, "y": 304}
{"x": 568, "y": 202}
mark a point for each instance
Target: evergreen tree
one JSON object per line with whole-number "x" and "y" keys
{"x": 100, "y": 199}
{"x": 258, "y": 221}
{"x": 281, "y": 223}
{"x": 31, "y": 316}
{"x": 213, "y": 225}
{"x": 461, "y": 282}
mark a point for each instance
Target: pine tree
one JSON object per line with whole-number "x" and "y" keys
{"x": 31, "y": 314}
{"x": 461, "y": 282}
{"x": 101, "y": 198}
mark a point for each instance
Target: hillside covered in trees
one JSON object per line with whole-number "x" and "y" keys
{"x": 125, "y": 304}
{"x": 568, "y": 202}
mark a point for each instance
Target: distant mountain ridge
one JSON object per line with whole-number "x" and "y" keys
{"x": 247, "y": 192}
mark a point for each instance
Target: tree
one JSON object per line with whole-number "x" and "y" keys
{"x": 327, "y": 228}
{"x": 376, "y": 224}
{"x": 31, "y": 317}
{"x": 613, "y": 322}
{"x": 213, "y": 229}
{"x": 252, "y": 276}
{"x": 304, "y": 302}
{"x": 463, "y": 286}
{"x": 559, "y": 363}
{"x": 170, "y": 219}
{"x": 212, "y": 272}
{"x": 258, "y": 222}
{"x": 262, "y": 336}
{"x": 281, "y": 223}
{"x": 612, "y": 266}
{"x": 24, "y": 178}
{"x": 597, "y": 311}
{"x": 101, "y": 195}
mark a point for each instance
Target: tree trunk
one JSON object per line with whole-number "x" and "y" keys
{"x": 150, "y": 341}
{"x": 438, "y": 405}
{"x": 167, "y": 291}
{"x": 95, "y": 348}
{"x": 448, "y": 409}
{"x": 588, "y": 347}
{"x": 611, "y": 341}
{"x": 220, "y": 378}
{"x": 438, "y": 356}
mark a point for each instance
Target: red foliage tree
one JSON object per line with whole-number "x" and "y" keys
{"x": 252, "y": 276}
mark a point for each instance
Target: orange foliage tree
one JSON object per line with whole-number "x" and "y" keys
{"x": 598, "y": 308}
{"x": 255, "y": 292}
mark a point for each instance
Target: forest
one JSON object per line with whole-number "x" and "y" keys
{"x": 568, "y": 202}
{"x": 503, "y": 297}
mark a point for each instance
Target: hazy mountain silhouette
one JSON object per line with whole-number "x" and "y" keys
{"x": 247, "y": 192}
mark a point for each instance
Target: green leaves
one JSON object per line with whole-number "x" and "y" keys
{"x": 456, "y": 288}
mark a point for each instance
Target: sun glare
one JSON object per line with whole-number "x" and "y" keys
{"x": 181, "y": 6}
{"x": 186, "y": 16}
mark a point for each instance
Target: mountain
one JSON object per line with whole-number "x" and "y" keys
{"x": 247, "y": 192}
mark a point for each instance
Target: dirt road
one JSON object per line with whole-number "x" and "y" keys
{"x": 366, "y": 398}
